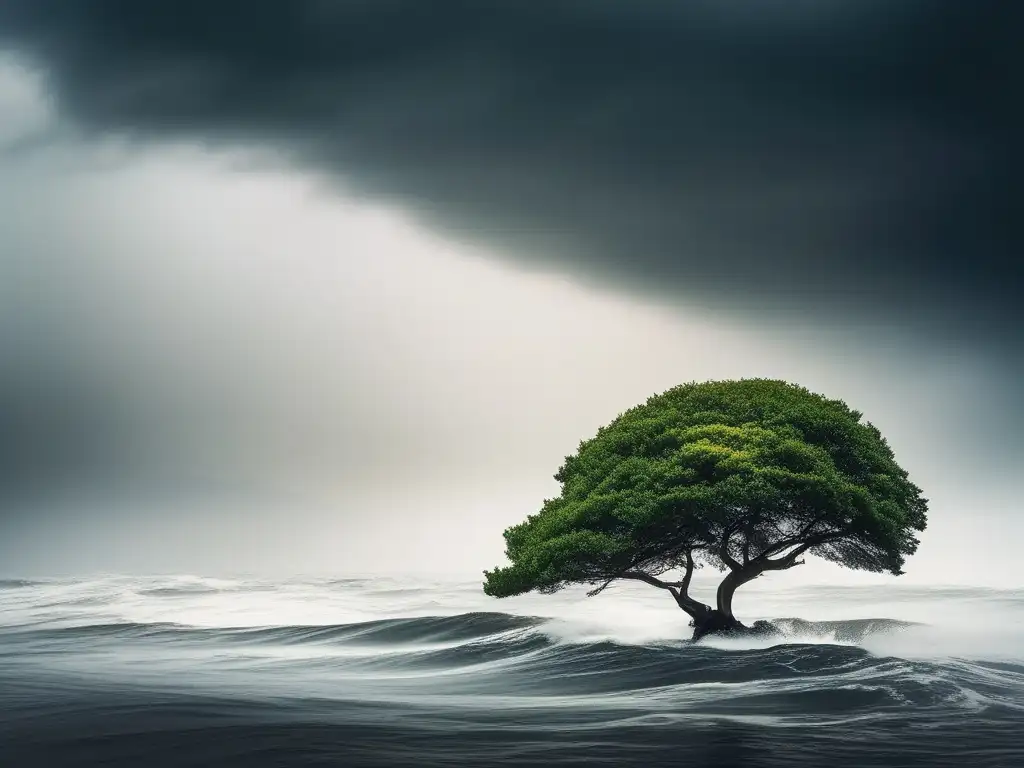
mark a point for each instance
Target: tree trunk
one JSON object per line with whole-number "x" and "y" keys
{"x": 714, "y": 622}
{"x": 729, "y": 585}
{"x": 693, "y": 608}
{"x": 721, "y": 619}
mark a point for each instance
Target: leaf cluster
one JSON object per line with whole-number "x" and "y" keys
{"x": 726, "y": 472}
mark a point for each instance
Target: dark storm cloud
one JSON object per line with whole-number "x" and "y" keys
{"x": 846, "y": 160}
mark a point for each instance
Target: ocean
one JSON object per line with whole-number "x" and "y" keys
{"x": 374, "y": 671}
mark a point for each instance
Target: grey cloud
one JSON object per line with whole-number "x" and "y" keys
{"x": 842, "y": 161}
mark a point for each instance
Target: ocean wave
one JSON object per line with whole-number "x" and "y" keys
{"x": 518, "y": 662}
{"x": 528, "y": 654}
{"x": 18, "y": 583}
{"x": 846, "y": 631}
{"x": 188, "y": 590}
{"x": 370, "y": 665}
{"x": 463, "y": 628}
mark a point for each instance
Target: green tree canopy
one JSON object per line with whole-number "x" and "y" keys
{"x": 744, "y": 475}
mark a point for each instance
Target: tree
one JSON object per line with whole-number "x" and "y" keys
{"x": 746, "y": 476}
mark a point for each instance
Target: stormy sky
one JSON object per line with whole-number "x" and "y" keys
{"x": 333, "y": 286}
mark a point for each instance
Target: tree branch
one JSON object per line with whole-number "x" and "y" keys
{"x": 684, "y": 585}
{"x": 634, "y": 575}
{"x": 677, "y": 589}
{"x": 791, "y": 540}
{"x": 790, "y": 560}
{"x": 652, "y": 580}
{"x": 693, "y": 608}
{"x": 746, "y": 542}
{"x": 780, "y": 565}
{"x": 600, "y": 589}
{"x": 723, "y": 549}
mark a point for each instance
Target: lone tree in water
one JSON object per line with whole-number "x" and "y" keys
{"x": 746, "y": 476}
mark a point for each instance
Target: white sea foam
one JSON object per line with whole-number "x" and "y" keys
{"x": 976, "y": 624}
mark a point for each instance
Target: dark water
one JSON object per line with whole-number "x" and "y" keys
{"x": 197, "y": 672}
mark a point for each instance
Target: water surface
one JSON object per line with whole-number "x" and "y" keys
{"x": 192, "y": 671}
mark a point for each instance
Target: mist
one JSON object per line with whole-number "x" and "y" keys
{"x": 251, "y": 374}
{"x": 229, "y": 349}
